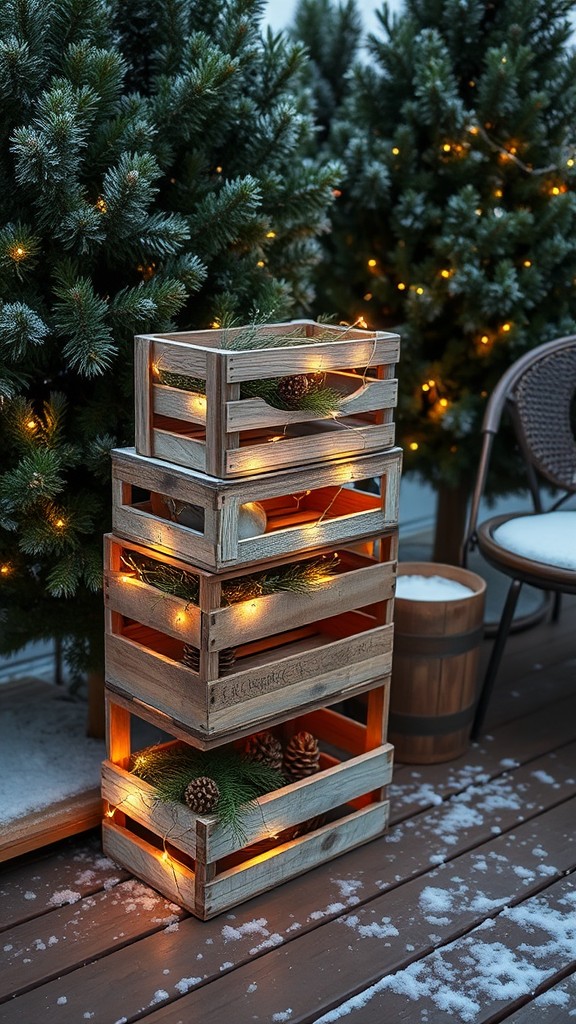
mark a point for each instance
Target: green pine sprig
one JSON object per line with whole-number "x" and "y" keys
{"x": 318, "y": 399}
{"x": 240, "y": 780}
{"x": 164, "y": 577}
{"x": 296, "y": 578}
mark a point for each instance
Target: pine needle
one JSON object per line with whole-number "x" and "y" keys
{"x": 297, "y": 577}
{"x": 239, "y": 779}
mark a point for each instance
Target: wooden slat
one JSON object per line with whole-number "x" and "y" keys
{"x": 30, "y": 888}
{"x": 473, "y": 976}
{"x": 552, "y": 1007}
{"x": 304, "y": 449}
{"x": 321, "y": 891}
{"x": 37, "y": 952}
{"x": 314, "y": 358}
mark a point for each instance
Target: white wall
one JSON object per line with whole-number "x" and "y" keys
{"x": 279, "y": 13}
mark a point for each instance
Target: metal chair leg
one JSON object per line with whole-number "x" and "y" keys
{"x": 495, "y": 656}
{"x": 557, "y": 606}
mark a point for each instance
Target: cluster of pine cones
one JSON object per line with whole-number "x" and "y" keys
{"x": 300, "y": 759}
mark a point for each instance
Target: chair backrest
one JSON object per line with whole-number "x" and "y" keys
{"x": 539, "y": 391}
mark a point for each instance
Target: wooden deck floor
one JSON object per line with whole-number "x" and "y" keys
{"x": 465, "y": 911}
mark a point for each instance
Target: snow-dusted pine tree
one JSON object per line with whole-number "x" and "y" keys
{"x": 457, "y": 219}
{"x": 153, "y": 176}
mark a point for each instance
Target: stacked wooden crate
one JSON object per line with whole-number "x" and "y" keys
{"x": 226, "y": 489}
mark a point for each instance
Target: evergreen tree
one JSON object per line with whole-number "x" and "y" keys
{"x": 457, "y": 216}
{"x": 153, "y": 178}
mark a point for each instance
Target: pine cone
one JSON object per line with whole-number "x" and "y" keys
{"x": 301, "y": 757}
{"x": 265, "y": 748}
{"x": 201, "y": 795}
{"x": 316, "y": 381}
{"x": 191, "y": 657}
{"x": 292, "y": 389}
{"x": 226, "y": 661}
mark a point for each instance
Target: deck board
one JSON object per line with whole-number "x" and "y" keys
{"x": 463, "y": 833}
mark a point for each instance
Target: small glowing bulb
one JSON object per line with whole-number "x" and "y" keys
{"x": 4, "y": 570}
{"x": 270, "y": 234}
{"x": 125, "y": 579}
{"x": 506, "y": 327}
{"x": 498, "y": 193}
{"x": 527, "y": 263}
{"x": 473, "y": 128}
{"x": 31, "y": 424}
{"x": 401, "y": 286}
{"x": 570, "y": 162}
{"x": 413, "y": 446}
{"x": 419, "y": 290}
{"x": 155, "y": 370}
{"x": 218, "y": 170}
{"x": 110, "y": 812}
{"x": 395, "y": 151}
{"x": 260, "y": 263}
{"x": 485, "y": 339}
{"x": 59, "y": 523}
{"x": 215, "y": 325}
{"x": 425, "y": 387}
{"x": 446, "y": 147}
{"x": 277, "y": 437}
{"x": 555, "y": 191}
{"x": 432, "y": 383}
{"x": 101, "y": 205}
{"x": 371, "y": 263}
{"x": 444, "y": 273}
{"x": 165, "y": 857}
{"x": 504, "y": 60}
{"x": 367, "y": 297}
{"x": 443, "y": 402}
{"x": 361, "y": 322}
{"x": 478, "y": 211}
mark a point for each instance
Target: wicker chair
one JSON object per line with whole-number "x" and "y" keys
{"x": 539, "y": 393}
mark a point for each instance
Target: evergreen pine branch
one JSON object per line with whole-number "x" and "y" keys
{"x": 36, "y": 479}
{"x": 65, "y": 575}
{"x": 20, "y": 329}
{"x": 240, "y": 780}
{"x": 162, "y": 235}
{"x": 164, "y": 577}
{"x": 219, "y": 218}
{"x": 80, "y": 315}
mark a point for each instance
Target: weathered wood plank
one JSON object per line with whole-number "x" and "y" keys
{"x": 30, "y": 888}
{"x": 58, "y": 820}
{"x": 481, "y": 976}
{"x": 321, "y": 895}
{"x": 69, "y": 936}
{"x": 554, "y": 1006}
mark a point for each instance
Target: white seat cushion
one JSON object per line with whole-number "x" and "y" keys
{"x": 548, "y": 538}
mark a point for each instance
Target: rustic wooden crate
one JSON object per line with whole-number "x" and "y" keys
{"x": 258, "y": 659}
{"x": 192, "y": 860}
{"x": 216, "y": 431}
{"x": 306, "y": 509}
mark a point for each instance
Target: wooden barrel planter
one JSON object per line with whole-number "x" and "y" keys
{"x": 434, "y": 671}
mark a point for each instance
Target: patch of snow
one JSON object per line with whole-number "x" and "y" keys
{"x": 185, "y": 984}
{"x": 544, "y": 777}
{"x": 227, "y": 966}
{"x": 63, "y": 896}
{"x": 252, "y": 987}
{"x": 62, "y": 1000}
{"x": 255, "y": 927}
{"x": 282, "y": 1016}
{"x": 412, "y": 587}
{"x": 269, "y": 943}
{"x": 30, "y": 896}
{"x": 46, "y": 739}
{"x": 159, "y": 996}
